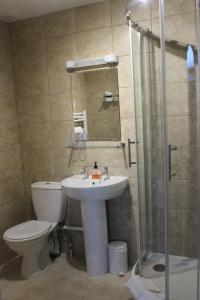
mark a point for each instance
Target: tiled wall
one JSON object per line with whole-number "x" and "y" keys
{"x": 41, "y": 46}
{"x": 11, "y": 182}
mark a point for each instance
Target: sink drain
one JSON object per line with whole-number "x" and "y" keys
{"x": 159, "y": 268}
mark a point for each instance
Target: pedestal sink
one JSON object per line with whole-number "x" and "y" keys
{"x": 92, "y": 194}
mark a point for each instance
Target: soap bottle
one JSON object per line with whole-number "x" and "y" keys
{"x": 96, "y": 173}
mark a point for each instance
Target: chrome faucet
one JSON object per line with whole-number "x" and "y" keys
{"x": 84, "y": 172}
{"x": 105, "y": 173}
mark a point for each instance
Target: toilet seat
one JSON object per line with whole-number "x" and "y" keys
{"x": 27, "y": 231}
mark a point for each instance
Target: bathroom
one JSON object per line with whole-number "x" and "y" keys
{"x": 142, "y": 128}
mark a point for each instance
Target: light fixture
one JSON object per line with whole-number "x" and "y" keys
{"x": 92, "y": 63}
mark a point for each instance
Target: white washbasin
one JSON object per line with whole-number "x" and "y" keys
{"x": 92, "y": 195}
{"x": 87, "y": 189}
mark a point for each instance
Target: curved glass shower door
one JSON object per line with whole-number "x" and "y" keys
{"x": 149, "y": 123}
{"x": 182, "y": 121}
{"x": 166, "y": 92}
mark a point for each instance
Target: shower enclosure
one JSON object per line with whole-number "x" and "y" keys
{"x": 166, "y": 77}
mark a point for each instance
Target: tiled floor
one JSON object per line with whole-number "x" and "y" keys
{"x": 62, "y": 282}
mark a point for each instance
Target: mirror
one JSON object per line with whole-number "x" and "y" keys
{"x": 96, "y": 112}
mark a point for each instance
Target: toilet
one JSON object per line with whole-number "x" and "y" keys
{"x": 30, "y": 239}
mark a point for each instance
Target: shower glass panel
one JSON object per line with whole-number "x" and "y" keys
{"x": 182, "y": 120}
{"x": 144, "y": 228}
{"x": 166, "y": 92}
{"x": 149, "y": 150}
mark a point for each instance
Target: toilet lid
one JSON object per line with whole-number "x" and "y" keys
{"x": 27, "y": 230}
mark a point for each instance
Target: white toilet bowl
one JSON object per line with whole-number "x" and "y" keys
{"x": 30, "y": 239}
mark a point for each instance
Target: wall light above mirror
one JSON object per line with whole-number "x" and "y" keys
{"x": 95, "y": 95}
{"x": 92, "y": 63}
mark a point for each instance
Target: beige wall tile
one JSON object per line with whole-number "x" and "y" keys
{"x": 9, "y": 135}
{"x": 95, "y": 43}
{"x": 29, "y": 54}
{"x": 182, "y": 130}
{"x": 184, "y": 163}
{"x": 184, "y": 24}
{"x": 129, "y": 172}
{"x": 4, "y": 30}
{"x": 124, "y": 72}
{"x": 61, "y": 133}
{"x": 61, "y": 107}
{"x": 7, "y": 110}
{"x": 93, "y": 16}
{"x": 61, "y": 49}
{"x": 38, "y": 161}
{"x": 34, "y": 109}
{"x": 107, "y": 157}
{"x": 126, "y": 99}
{"x": 5, "y": 53}
{"x": 11, "y": 181}
{"x": 62, "y": 160}
{"x": 176, "y": 70}
{"x": 173, "y": 7}
{"x": 36, "y": 135}
{"x": 128, "y": 129}
{"x": 59, "y": 23}
{"x": 59, "y": 80}
{"x": 142, "y": 11}
{"x": 118, "y": 9}
{"x": 6, "y": 83}
{"x": 29, "y": 30}
{"x": 182, "y": 99}
{"x": 121, "y": 40}
{"x": 183, "y": 193}
{"x": 34, "y": 82}
{"x": 10, "y": 163}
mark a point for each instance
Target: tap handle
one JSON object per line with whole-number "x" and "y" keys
{"x": 84, "y": 168}
{"x": 105, "y": 169}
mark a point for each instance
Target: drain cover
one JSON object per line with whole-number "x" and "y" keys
{"x": 159, "y": 268}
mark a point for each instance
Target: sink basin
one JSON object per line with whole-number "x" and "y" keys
{"x": 87, "y": 189}
{"x": 92, "y": 195}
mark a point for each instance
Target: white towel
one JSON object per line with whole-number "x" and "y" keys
{"x": 78, "y": 129}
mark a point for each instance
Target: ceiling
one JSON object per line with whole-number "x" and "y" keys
{"x": 13, "y": 10}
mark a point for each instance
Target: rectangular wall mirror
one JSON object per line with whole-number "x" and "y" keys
{"x": 96, "y": 110}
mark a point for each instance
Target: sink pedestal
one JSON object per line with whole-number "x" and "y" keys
{"x": 95, "y": 236}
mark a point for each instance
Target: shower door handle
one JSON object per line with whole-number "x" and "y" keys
{"x": 130, "y": 162}
{"x": 171, "y": 148}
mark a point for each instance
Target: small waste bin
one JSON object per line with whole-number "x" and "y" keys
{"x": 118, "y": 264}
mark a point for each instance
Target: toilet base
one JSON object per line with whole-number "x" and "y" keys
{"x": 35, "y": 263}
